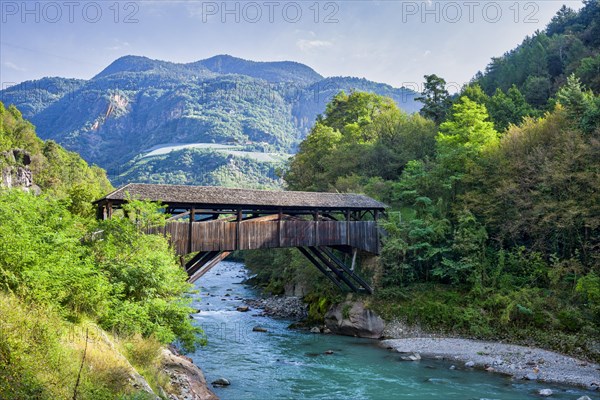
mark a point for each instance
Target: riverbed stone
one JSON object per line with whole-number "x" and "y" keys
{"x": 259, "y": 329}
{"x": 410, "y": 357}
{"x": 584, "y": 398}
{"x": 354, "y": 319}
{"x": 531, "y": 376}
{"x": 545, "y": 392}
{"x": 469, "y": 364}
{"x": 315, "y": 329}
{"x": 243, "y": 308}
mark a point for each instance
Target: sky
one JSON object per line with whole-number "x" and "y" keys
{"x": 395, "y": 42}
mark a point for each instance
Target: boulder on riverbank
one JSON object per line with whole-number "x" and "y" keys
{"x": 187, "y": 381}
{"x": 353, "y": 319}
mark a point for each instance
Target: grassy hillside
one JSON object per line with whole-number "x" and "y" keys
{"x": 67, "y": 280}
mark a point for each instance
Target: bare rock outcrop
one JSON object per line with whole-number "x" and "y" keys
{"x": 14, "y": 170}
{"x": 187, "y": 380}
{"x": 353, "y": 319}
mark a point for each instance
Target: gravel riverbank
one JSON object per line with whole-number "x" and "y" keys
{"x": 518, "y": 361}
{"x": 280, "y": 307}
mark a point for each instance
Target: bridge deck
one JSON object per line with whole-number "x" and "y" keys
{"x": 249, "y": 235}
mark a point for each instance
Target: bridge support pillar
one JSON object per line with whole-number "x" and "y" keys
{"x": 203, "y": 262}
{"x": 335, "y": 269}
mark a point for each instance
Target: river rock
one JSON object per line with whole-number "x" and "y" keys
{"x": 584, "y": 398}
{"x": 295, "y": 290}
{"x": 469, "y": 364}
{"x": 315, "y": 329}
{"x": 185, "y": 377}
{"x": 410, "y": 357}
{"x": 353, "y": 319}
{"x": 243, "y": 308}
{"x": 329, "y": 352}
{"x": 281, "y": 307}
{"x": 531, "y": 376}
{"x": 259, "y": 329}
{"x": 545, "y": 392}
{"x": 221, "y": 382}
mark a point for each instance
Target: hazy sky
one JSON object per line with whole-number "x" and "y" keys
{"x": 395, "y": 42}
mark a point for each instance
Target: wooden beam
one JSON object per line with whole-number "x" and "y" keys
{"x": 238, "y": 229}
{"x": 349, "y": 272}
{"x": 190, "y": 230}
{"x": 208, "y": 265}
{"x": 321, "y": 268}
{"x": 177, "y": 216}
{"x": 333, "y": 268}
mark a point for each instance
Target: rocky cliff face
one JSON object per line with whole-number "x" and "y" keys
{"x": 15, "y": 172}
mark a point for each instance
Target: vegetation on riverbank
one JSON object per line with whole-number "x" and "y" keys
{"x": 77, "y": 294}
{"x": 494, "y": 226}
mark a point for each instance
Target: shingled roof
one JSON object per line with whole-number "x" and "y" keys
{"x": 219, "y": 196}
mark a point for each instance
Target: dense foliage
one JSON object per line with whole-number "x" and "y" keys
{"x": 361, "y": 140}
{"x": 494, "y": 226}
{"x": 61, "y": 270}
{"x": 60, "y": 173}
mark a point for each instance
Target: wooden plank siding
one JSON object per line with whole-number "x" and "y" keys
{"x": 225, "y": 236}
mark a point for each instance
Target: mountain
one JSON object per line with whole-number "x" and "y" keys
{"x": 282, "y": 71}
{"x": 136, "y": 105}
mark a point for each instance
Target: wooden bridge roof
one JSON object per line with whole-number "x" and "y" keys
{"x": 211, "y": 196}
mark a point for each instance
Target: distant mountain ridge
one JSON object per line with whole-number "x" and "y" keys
{"x": 137, "y": 103}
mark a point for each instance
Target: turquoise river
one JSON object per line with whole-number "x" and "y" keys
{"x": 290, "y": 364}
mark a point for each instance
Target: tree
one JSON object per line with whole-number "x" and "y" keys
{"x": 564, "y": 18}
{"x": 589, "y": 73}
{"x": 475, "y": 93}
{"x": 467, "y": 133}
{"x": 340, "y": 142}
{"x": 537, "y": 90}
{"x": 574, "y": 98}
{"x": 307, "y": 168}
{"x": 435, "y": 98}
{"x": 509, "y": 108}
{"x": 357, "y": 108}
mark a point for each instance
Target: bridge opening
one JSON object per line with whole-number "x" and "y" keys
{"x": 212, "y": 222}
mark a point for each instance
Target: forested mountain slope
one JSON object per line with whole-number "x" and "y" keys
{"x": 136, "y": 104}
{"x": 541, "y": 64}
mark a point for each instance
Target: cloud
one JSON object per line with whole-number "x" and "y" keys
{"x": 427, "y": 52}
{"x": 119, "y": 45}
{"x": 13, "y": 66}
{"x": 310, "y": 45}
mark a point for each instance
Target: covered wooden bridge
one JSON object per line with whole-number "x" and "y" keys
{"x": 214, "y": 221}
